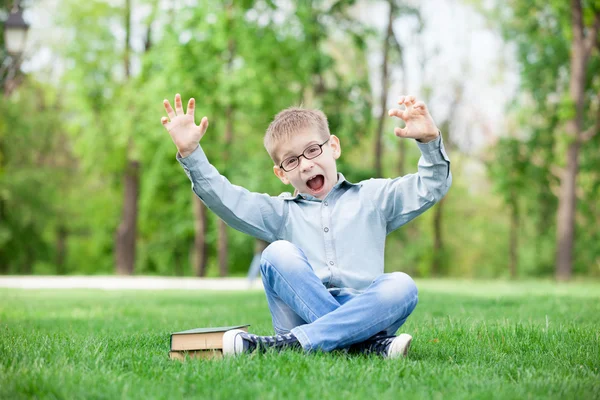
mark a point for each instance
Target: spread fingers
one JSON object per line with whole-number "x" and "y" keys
{"x": 178, "y": 105}
{"x": 169, "y": 109}
{"x": 395, "y": 112}
{"x": 190, "y": 107}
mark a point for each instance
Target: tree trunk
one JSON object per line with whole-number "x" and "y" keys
{"x": 223, "y": 239}
{"x": 179, "y": 263}
{"x": 438, "y": 243}
{"x": 200, "y": 252}
{"x": 223, "y": 246}
{"x": 403, "y": 90}
{"x": 401, "y": 157}
{"x": 513, "y": 250}
{"x": 126, "y": 54}
{"x": 127, "y": 231}
{"x": 566, "y": 215}
{"x": 3, "y": 258}
{"x": 565, "y": 228}
{"x": 61, "y": 249}
{"x": 28, "y": 265}
{"x": 148, "y": 40}
{"x": 437, "y": 263}
{"x": 384, "y": 94}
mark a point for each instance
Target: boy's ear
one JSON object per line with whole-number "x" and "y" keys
{"x": 336, "y": 147}
{"x": 281, "y": 174}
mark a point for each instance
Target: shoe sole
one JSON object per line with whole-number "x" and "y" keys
{"x": 399, "y": 347}
{"x": 232, "y": 345}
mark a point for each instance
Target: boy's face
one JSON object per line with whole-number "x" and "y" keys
{"x": 316, "y": 176}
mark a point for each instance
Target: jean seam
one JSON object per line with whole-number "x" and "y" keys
{"x": 302, "y": 338}
{"x": 291, "y": 289}
{"x": 267, "y": 290}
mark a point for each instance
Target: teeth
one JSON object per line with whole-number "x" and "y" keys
{"x": 313, "y": 177}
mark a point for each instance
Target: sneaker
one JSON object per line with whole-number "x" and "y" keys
{"x": 386, "y": 346}
{"x": 237, "y": 341}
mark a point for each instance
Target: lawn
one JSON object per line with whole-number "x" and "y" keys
{"x": 471, "y": 340}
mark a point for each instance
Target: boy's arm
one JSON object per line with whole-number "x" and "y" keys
{"x": 402, "y": 199}
{"x": 259, "y": 215}
{"x": 255, "y": 214}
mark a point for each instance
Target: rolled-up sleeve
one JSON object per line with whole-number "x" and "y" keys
{"x": 256, "y": 214}
{"x": 404, "y": 198}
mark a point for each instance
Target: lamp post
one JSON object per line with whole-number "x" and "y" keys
{"x": 15, "y": 32}
{"x": 15, "y": 35}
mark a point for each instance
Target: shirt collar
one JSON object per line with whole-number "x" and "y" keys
{"x": 304, "y": 196}
{"x": 343, "y": 180}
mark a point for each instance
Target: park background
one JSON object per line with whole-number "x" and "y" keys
{"x": 89, "y": 184}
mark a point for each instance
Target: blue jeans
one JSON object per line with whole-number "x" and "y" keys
{"x": 300, "y": 303}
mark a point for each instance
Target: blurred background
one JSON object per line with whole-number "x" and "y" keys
{"x": 89, "y": 183}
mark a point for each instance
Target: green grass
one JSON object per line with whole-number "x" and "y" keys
{"x": 472, "y": 340}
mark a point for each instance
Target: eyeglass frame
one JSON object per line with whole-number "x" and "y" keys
{"x": 302, "y": 155}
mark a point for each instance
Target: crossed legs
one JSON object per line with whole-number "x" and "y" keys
{"x": 300, "y": 303}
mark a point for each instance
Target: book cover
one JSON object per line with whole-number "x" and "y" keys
{"x": 201, "y": 338}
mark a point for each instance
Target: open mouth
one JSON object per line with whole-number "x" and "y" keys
{"x": 316, "y": 183}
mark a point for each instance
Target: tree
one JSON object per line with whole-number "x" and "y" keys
{"x": 126, "y": 234}
{"x": 508, "y": 170}
{"x": 392, "y": 49}
{"x": 547, "y": 34}
{"x": 582, "y": 44}
{"x": 439, "y": 257}
{"x": 36, "y": 176}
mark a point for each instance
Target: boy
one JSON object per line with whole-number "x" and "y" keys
{"x": 323, "y": 271}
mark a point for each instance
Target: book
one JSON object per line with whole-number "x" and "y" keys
{"x": 204, "y": 354}
{"x": 201, "y": 338}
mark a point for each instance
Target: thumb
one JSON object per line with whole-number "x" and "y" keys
{"x": 401, "y": 132}
{"x": 203, "y": 125}
{"x": 165, "y": 122}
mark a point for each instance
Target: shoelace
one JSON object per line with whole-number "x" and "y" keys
{"x": 381, "y": 345}
{"x": 264, "y": 342}
{"x": 378, "y": 345}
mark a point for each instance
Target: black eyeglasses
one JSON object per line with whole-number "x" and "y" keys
{"x": 311, "y": 152}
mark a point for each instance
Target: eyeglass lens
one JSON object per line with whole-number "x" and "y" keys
{"x": 310, "y": 153}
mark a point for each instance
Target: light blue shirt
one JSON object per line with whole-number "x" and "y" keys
{"x": 343, "y": 236}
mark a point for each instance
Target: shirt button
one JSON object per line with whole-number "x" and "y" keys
{"x": 330, "y": 262}
{"x": 326, "y": 229}
{"x": 326, "y": 204}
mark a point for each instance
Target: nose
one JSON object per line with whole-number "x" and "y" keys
{"x": 305, "y": 164}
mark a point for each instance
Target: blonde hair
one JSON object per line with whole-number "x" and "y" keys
{"x": 289, "y": 122}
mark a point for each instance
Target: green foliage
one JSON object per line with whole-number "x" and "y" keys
{"x": 35, "y": 178}
{"x": 566, "y": 108}
{"x": 526, "y": 167}
{"x": 62, "y": 166}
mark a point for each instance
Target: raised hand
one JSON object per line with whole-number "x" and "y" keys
{"x": 419, "y": 124}
{"x": 181, "y": 126}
